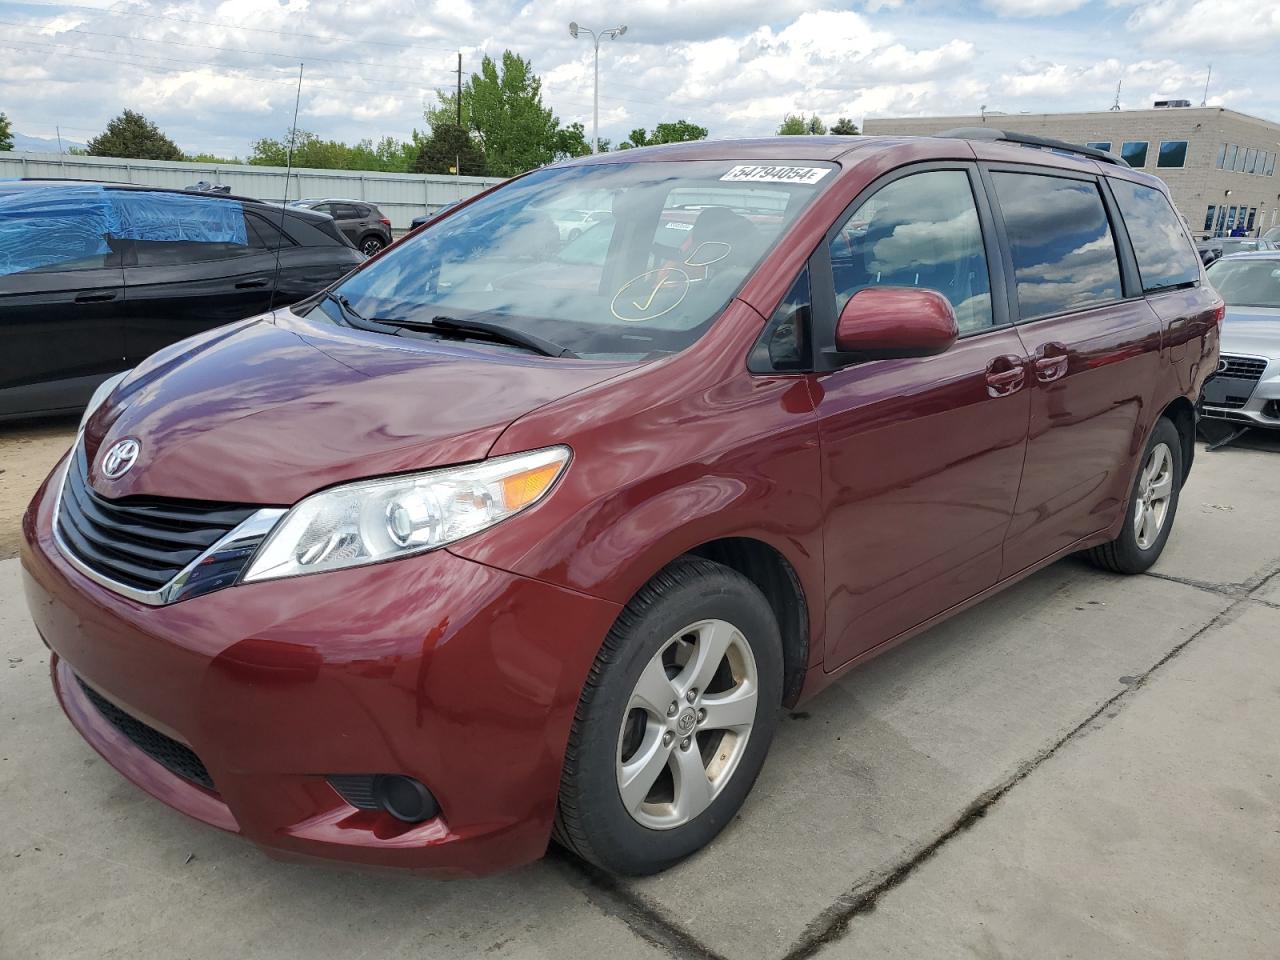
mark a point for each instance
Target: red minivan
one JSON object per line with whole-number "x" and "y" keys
{"x": 507, "y": 537}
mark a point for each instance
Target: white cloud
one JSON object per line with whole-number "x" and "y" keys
{"x": 1034, "y": 8}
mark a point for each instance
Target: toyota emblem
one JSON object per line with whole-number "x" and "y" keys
{"x": 120, "y": 458}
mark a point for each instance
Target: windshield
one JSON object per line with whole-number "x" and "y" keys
{"x": 617, "y": 260}
{"x": 1247, "y": 283}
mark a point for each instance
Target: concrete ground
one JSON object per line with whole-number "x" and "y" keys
{"x": 1084, "y": 766}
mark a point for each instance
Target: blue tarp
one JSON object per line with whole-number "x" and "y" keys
{"x": 142, "y": 215}
{"x": 45, "y": 226}
{"x": 50, "y": 225}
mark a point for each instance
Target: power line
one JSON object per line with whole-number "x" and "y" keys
{"x": 211, "y": 46}
{"x": 232, "y": 26}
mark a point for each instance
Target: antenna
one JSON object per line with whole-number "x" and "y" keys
{"x": 1116, "y": 105}
{"x": 284, "y": 201}
{"x": 1204, "y": 101}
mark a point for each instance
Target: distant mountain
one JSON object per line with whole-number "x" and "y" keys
{"x": 42, "y": 144}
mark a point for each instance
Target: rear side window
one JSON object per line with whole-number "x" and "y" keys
{"x": 1064, "y": 255}
{"x": 920, "y": 231}
{"x": 1165, "y": 255}
{"x": 346, "y": 211}
{"x": 265, "y": 235}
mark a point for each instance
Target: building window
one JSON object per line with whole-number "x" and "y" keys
{"x": 1099, "y": 144}
{"x": 1222, "y": 155}
{"x": 1253, "y": 212}
{"x": 1271, "y": 166}
{"x": 1208, "y": 218}
{"x": 1241, "y": 157}
{"x": 1173, "y": 153}
{"x": 1231, "y": 157}
{"x": 1134, "y": 152}
{"x": 1249, "y": 156}
{"x": 1257, "y": 162}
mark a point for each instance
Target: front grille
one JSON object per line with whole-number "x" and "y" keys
{"x": 169, "y": 753}
{"x": 1242, "y": 368}
{"x": 144, "y": 542}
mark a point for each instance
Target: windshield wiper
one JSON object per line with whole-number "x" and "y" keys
{"x": 492, "y": 331}
{"x": 355, "y": 318}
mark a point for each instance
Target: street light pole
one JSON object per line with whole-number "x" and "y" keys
{"x": 609, "y": 34}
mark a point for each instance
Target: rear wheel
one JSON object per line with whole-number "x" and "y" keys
{"x": 371, "y": 245}
{"x": 674, "y": 722}
{"x": 1153, "y": 502}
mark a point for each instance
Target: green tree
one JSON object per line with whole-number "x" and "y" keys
{"x": 450, "y": 149}
{"x": 388, "y": 154}
{"x": 6, "y": 133}
{"x": 209, "y": 158}
{"x": 680, "y": 131}
{"x": 133, "y": 137}
{"x": 639, "y": 137}
{"x": 794, "y": 124}
{"x": 503, "y": 105}
{"x": 571, "y": 141}
{"x": 844, "y": 127}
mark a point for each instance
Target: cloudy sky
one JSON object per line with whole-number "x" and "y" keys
{"x": 217, "y": 75}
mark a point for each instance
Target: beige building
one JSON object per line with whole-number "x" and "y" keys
{"x": 1220, "y": 165}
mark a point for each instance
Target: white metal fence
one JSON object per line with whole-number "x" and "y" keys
{"x": 400, "y": 196}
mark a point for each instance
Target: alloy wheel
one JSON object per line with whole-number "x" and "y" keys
{"x": 371, "y": 246}
{"x": 686, "y": 725}
{"x": 1155, "y": 493}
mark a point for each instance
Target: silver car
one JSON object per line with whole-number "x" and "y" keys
{"x": 1246, "y": 388}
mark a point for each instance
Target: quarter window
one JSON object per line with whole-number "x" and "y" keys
{"x": 920, "y": 231}
{"x": 785, "y": 344}
{"x": 1064, "y": 255}
{"x": 1134, "y": 152}
{"x": 1173, "y": 153}
{"x": 1165, "y": 257}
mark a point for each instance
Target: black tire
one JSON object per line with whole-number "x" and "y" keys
{"x": 371, "y": 244}
{"x": 591, "y": 820}
{"x": 1124, "y": 554}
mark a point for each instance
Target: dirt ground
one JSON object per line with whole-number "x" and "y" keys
{"x": 28, "y": 452}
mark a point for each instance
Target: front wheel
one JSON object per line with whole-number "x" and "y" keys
{"x": 1153, "y": 502}
{"x": 674, "y": 721}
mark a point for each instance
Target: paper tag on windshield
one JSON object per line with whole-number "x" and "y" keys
{"x": 775, "y": 173}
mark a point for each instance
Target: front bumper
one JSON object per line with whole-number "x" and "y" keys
{"x": 1262, "y": 406}
{"x": 455, "y": 673}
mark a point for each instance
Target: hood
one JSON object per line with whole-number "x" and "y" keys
{"x": 1252, "y": 330}
{"x": 269, "y": 410}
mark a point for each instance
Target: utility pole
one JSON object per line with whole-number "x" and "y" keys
{"x": 459, "y": 104}
{"x": 58, "y": 131}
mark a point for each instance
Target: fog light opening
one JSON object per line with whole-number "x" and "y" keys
{"x": 404, "y": 798}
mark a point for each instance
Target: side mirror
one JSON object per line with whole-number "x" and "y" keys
{"x": 883, "y": 323}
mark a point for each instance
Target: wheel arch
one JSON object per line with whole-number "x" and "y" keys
{"x": 1182, "y": 414}
{"x": 776, "y": 578}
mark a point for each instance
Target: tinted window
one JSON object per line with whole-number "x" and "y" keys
{"x": 1208, "y": 217}
{"x": 264, "y": 234}
{"x": 165, "y": 253}
{"x": 1099, "y": 144}
{"x": 920, "y": 231}
{"x": 1173, "y": 153}
{"x": 1165, "y": 257}
{"x": 784, "y": 345}
{"x": 346, "y": 211}
{"x": 1134, "y": 152}
{"x": 1064, "y": 257}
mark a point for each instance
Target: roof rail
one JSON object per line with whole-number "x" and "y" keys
{"x": 1028, "y": 140}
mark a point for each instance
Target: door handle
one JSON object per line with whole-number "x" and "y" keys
{"x": 1051, "y": 361}
{"x": 105, "y": 296}
{"x": 1005, "y": 375}
{"x": 250, "y": 284}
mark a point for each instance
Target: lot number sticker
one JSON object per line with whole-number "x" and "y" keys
{"x": 774, "y": 173}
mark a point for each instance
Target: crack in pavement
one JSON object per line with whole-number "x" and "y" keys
{"x": 648, "y": 921}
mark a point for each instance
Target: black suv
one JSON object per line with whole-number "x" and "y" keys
{"x": 95, "y": 277}
{"x": 360, "y": 222}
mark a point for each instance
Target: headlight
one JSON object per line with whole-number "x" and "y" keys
{"x": 100, "y": 395}
{"x": 375, "y": 520}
